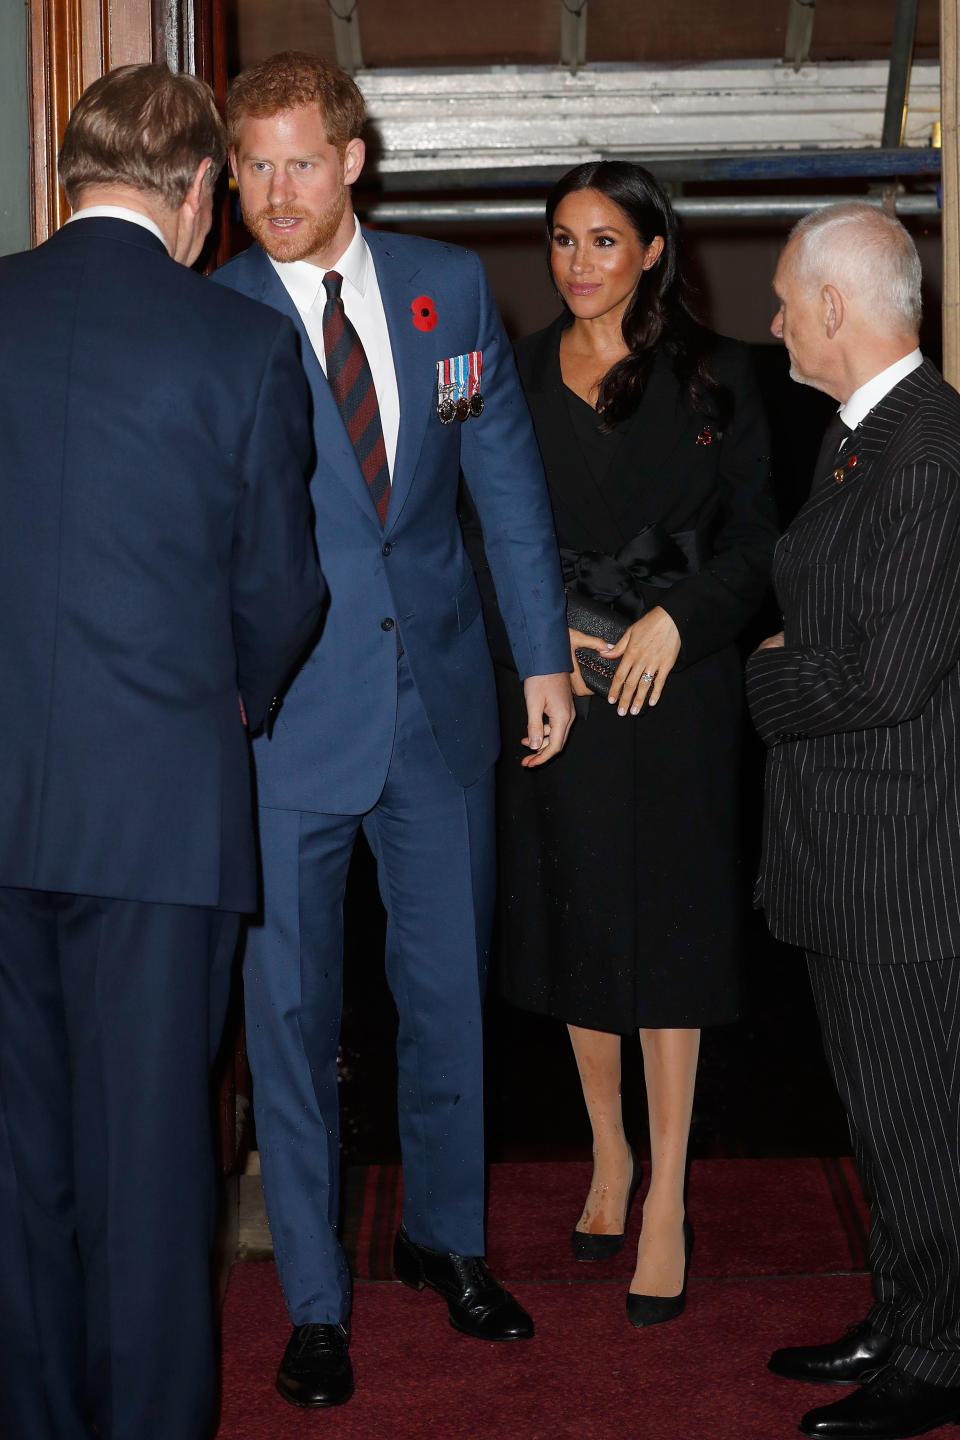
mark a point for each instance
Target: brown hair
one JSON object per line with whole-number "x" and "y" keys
{"x": 295, "y": 78}
{"x": 145, "y": 127}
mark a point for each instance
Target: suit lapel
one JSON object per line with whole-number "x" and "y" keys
{"x": 414, "y": 362}
{"x": 872, "y": 437}
{"x": 335, "y": 453}
{"x": 640, "y": 471}
{"x": 573, "y": 488}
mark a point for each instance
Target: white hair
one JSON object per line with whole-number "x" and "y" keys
{"x": 866, "y": 254}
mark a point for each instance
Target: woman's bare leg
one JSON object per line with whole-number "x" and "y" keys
{"x": 598, "y": 1060}
{"x": 670, "y": 1070}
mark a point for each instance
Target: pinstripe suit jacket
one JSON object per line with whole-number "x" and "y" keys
{"x": 861, "y": 708}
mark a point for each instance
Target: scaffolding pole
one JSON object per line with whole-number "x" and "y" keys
{"x": 950, "y": 171}
{"x": 898, "y": 80}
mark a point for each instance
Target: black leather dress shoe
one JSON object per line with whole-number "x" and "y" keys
{"x": 477, "y": 1304}
{"x": 316, "y": 1368}
{"x": 891, "y": 1406}
{"x": 851, "y": 1360}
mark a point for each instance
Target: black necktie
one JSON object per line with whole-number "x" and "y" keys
{"x": 350, "y": 380}
{"x": 834, "y": 437}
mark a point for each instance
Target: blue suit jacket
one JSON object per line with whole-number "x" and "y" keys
{"x": 156, "y": 561}
{"x": 333, "y": 737}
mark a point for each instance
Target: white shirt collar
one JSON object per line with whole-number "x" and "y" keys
{"x": 863, "y": 400}
{"x": 118, "y": 212}
{"x": 304, "y": 280}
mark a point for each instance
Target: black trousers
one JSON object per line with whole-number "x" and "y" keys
{"x": 110, "y": 1012}
{"x": 892, "y": 1040}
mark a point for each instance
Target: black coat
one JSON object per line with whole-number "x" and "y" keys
{"x": 619, "y": 861}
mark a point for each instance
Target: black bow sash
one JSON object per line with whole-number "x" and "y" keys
{"x": 652, "y": 557}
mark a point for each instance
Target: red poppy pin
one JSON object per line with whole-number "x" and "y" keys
{"x": 841, "y": 470}
{"x": 424, "y": 312}
{"x": 706, "y": 436}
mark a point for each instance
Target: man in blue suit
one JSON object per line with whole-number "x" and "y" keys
{"x": 158, "y": 578}
{"x": 390, "y": 725}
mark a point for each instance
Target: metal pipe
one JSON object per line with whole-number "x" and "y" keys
{"x": 345, "y": 20}
{"x": 698, "y": 207}
{"x": 796, "y": 45}
{"x": 898, "y": 79}
{"x": 762, "y": 165}
{"x": 573, "y": 34}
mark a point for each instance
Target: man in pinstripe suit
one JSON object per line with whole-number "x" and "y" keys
{"x": 858, "y": 700}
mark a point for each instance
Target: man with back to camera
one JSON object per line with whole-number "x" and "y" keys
{"x": 157, "y": 579}
{"x": 859, "y": 702}
{"x": 391, "y": 724}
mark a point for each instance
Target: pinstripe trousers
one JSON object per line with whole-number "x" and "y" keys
{"x": 892, "y": 1040}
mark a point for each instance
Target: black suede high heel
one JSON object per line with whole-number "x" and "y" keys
{"x": 645, "y": 1310}
{"x": 602, "y": 1247}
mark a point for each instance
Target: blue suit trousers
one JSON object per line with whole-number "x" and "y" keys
{"x": 433, "y": 844}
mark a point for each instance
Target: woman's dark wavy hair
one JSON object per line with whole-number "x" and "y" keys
{"x": 658, "y": 318}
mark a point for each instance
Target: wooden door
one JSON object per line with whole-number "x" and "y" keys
{"x": 72, "y": 42}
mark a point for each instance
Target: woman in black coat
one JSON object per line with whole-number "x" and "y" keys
{"x": 619, "y": 861}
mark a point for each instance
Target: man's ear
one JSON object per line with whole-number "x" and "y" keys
{"x": 194, "y": 194}
{"x": 192, "y": 219}
{"x": 832, "y": 310}
{"x": 232, "y": 160}
{"x": 354, "y": 154}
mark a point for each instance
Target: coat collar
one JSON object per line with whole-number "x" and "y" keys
{"x": 109, "y": 227}
{"x": 639, "y": 466}
{"x": 334, "y": 451}
{"x": 877, "y": 427}
{"x": 413, "y": 360}
{"x": 873, "y": 435}
{"x": 573, "y": 488}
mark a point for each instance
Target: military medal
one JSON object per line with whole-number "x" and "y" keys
{"x": 446, "y": 408}
{"x": 476, "y": 399}
{"x": 458, "y": 387}
{"x": 463, "y": 403}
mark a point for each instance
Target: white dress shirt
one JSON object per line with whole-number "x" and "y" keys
{"x": 364, "y": 309}
{"x": 862, "y": 401}
{"x": 117, "y": 212}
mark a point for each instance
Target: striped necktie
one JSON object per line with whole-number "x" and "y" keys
{"x": 349, "y": 378}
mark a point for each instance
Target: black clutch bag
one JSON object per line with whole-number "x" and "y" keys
{"x": 595, "y": 618}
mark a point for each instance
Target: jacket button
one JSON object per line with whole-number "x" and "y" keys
{"x": 386, "y": 624}
{"x": 387, "y": 548}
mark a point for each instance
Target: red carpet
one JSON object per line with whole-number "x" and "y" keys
{"x": 771, "y": 1239}
{"x": 766, "y": 1217}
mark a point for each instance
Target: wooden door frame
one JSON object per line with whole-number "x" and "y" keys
{"x": 72, "y": 42}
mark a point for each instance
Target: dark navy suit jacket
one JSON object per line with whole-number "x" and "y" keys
{"x": 156, "y": 563}
{"x": 333, "y": 738}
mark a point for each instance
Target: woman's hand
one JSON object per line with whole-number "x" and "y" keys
{"x": 579, "y": 639}
{"x": 647, "y": 652}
